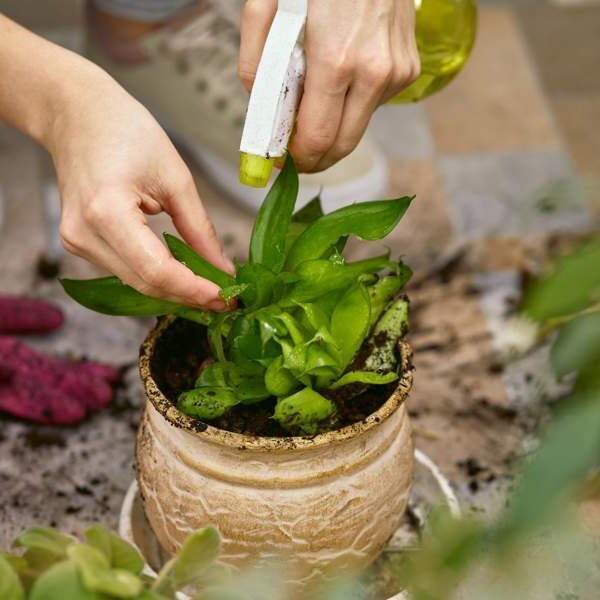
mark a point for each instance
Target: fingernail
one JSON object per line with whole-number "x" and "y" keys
{"x": 229, "y": 266}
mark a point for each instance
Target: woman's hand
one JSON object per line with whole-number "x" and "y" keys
{"x": 116, "y": 165}
{"x": 359, "y": 54}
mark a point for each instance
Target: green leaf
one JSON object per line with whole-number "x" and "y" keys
{"x": 244, "y": 340}
{"x": 301, "y": 220}
{"x": 18, "y": 563}
{"x": 279, "y": 380}
{"x": 248, "y": 388}
{"x": 97, "y": 576}
{"x": 119, "y": 553}
{"x": 199, "y": 552}
{"x": 267, "y": 244}
{"x": 319, "y": 361}
{"x": 48, "y": 540}
{"x": 310, "y": 212}
{"x": 217, "y": 330}
{"x": 260, "y": 283}
{"x": 381, "y": 293}
{"x": 568, "y": 451}
{"x": 197, "y": 555}
{"x": 207, "y": 403}
{"x": 577, "y": 346}
{"x": 110, "y": 296}
{"x": 213, "y": 376}
{"x": 293, "y": 327}
{"x": 569, "y": 287}
{"x": 233, "y": 291}
{"x": 367, "y": 377}
{"x": 63, "y": 582}
{"x": 314, "y": 315}
{"x": 392, "y": 325}
{"x": 10, "y": 585}
{"x": 367, "y": 220}
{"x": 303, "y": 411}
{"x": 350, "y": 323}
{"x": 197, "y": 264}
{"x": 319, "y": 277}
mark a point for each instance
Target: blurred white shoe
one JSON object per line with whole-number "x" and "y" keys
{"x": 186, "y": 74}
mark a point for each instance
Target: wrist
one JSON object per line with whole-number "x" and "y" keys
{"x": 77, "y": 88}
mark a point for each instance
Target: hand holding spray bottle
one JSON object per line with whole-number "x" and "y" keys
{"x": 445, "y": 32}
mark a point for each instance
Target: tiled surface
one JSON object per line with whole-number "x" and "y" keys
{"x": 565, "y": 46}
{"x": 426, "y": 229}
{"x": 496, "y": 103}
{"x": 480, "y": 156}
{"x": 502, "y": 194}
{"x": 579, "y": 117}
{"x": 403, "y": 132}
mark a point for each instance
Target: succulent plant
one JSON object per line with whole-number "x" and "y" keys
{"x": 55, "y": 566}
{"x": 306, "y": 324}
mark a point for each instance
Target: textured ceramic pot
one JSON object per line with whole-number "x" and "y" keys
{"x": 327, "y": 503}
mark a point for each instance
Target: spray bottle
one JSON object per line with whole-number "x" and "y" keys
{"x": 445, "y": 32}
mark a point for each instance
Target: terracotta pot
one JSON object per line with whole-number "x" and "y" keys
{"x": 327, "y": 503}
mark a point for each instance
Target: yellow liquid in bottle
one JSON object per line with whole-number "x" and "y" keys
{"x": 445, "y": 36}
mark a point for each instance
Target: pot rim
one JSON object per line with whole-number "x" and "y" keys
{"x": 268, "y": 444}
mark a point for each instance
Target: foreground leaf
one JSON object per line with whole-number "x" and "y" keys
{"x": 10, "y": 585}
{"x": 366, "y": 220}
{"x": 62, "y": 582}
{"x": 119, "y": 553}
{"x": 110, "y": 296}
{"x": 267, "y": 244}
{"x": 97, "y": 575}
{"x": 189, "y": 567}
{"x": 48, "y": 540}
{"x": 197, "y": 264}
{"x": 569, "y": 287}
{"x": 577, "y": 345}
{"x": 199, "y": 552}
{"x": 569, "y": 450}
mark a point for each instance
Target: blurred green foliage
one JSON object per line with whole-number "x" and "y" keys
{"x": 536, "y": 549}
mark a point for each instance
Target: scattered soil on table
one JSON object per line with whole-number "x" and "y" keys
{"x": 178, "y": 359}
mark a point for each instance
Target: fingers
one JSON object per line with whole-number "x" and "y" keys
{"x": 354, "y": 63}
{"x": 320, "y": 112}
{"x": 361, "y": 101}
{"x": 406, "y": 64}
{"x": 192, "y": 222}
{"x": 118, "y": 238}
{"x": 257, "y": 17}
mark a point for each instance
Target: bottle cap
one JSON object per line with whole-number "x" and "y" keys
{"x": 255, "y": 170}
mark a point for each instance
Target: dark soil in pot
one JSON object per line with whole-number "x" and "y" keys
{"x": 177, "y": 360}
